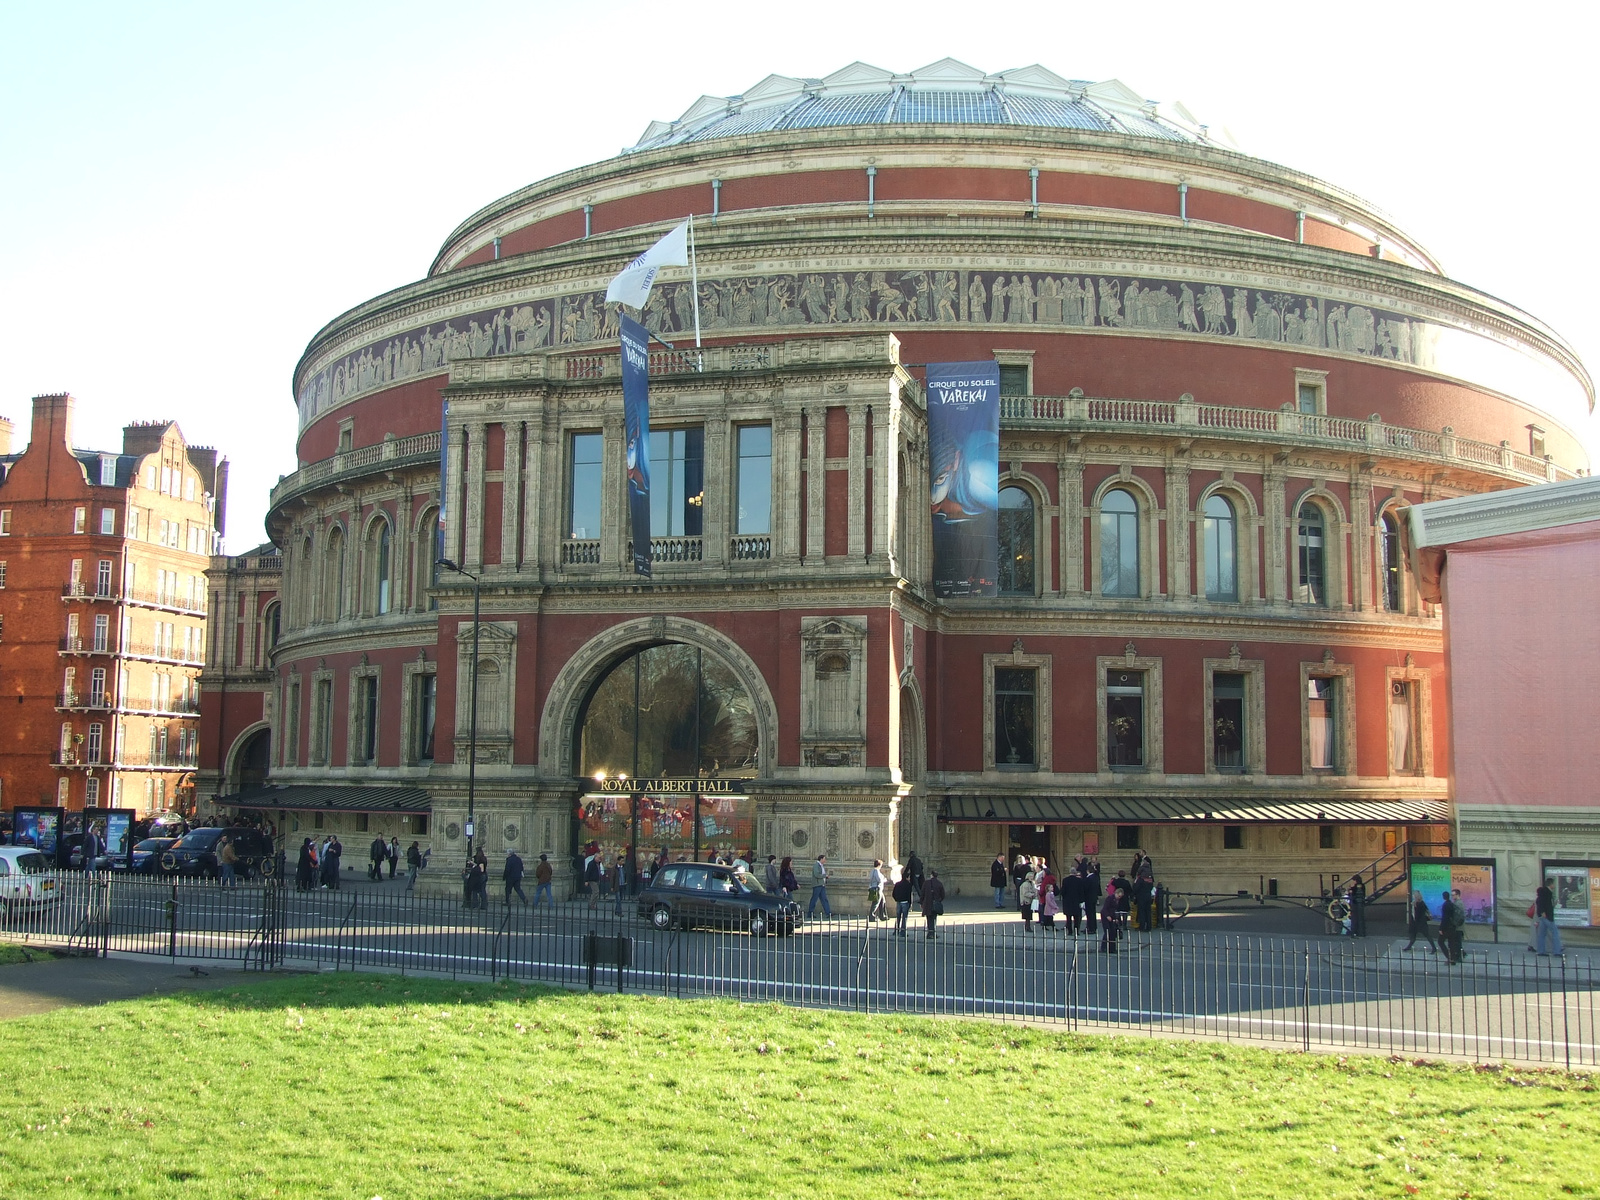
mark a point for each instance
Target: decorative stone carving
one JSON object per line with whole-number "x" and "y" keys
{"x": 799, "y": 838}
{"x": 833, "y": 691}
{"x": 865, "y": 839}
{"x": 452, "y": 831}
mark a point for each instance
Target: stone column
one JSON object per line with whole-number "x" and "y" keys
{"x": 718, "y": 503}
{"x": 1272, "y": 510}
{"x": 613, "y": 512}
{"x": 543, "y": 517}
{"x": 402, "y": 569}
{"x": 882, "y": 456}
{"x": 1361, "y": 541}
{"x": 451, "y": 503}
{"x": 787, "y": 455}
{"x": 511, "y": 481}
{"x": 1180, "y": 582}
{"x": 856, "y": 543}
{"x": 1071, "y": 524}
{"x": 477, "y": 433}
{"x": 816, "y": 484}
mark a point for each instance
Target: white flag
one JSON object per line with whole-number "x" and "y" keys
{"x": 632, "y": 284}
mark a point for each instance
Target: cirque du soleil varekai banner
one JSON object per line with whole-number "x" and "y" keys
{"x": 964, "y": 476}
{"x": 636, "y": 434}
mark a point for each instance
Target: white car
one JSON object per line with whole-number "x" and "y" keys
{"x": 27, "y": 880}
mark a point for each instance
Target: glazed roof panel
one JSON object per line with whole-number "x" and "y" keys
{"x": 943, "y": 93}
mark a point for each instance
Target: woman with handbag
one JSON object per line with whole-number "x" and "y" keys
{"x": 1028, "y": 900}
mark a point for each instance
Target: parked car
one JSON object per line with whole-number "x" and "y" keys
{"x": 690, "y": 894}
{"x": 146, "y": 856}
{"x": 27, "y": 878}
{"x": 195, "y": 853}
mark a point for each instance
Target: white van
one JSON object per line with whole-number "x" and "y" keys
{"x": 27, "y": 880}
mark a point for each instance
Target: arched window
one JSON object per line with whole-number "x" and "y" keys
{"x": 1313, "y": 588}
{"x": 305, "y": 611}
{"x": 381, "y": 567}
{"x": 426, "y": 548}
{"x": 271, "y": 630}
{"x": 1389, "y": 534}
{"x": 1221, "y": 549}
{"x": 1119, "y": 544}
{"x": 336, "y": 573}
{"x": 669, "y": 711}
{"x": 1016, "y": 542}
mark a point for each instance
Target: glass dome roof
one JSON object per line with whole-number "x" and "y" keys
{"x": 943, "y": 93}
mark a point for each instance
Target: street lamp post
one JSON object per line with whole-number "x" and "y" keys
{"x": 472, "y": 719}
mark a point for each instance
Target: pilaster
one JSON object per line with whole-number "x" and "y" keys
{"x": 856, "y": 544}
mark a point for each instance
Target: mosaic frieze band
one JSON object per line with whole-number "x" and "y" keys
{"x": 899, "y": 298}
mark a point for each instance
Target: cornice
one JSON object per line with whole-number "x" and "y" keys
{"x": 1493, "y": 514}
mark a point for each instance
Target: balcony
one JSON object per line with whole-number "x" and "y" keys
{"x": 86, "y": 591}
{"x": 671, "y": 550}
{"x": 163, "y": 653}
{"x": 168, "y": 601}
{"x": 749, "y": 548}
{"x": 392, "y": 453}
{"x": 1284, "y": 426}
{"x": 156, "y": 760}
{"x": 580, "y": 552}
{"x": 76, "y": 701}
{"x": 83, "y": 645}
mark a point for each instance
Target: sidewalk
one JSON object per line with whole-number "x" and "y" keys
{"x": 51, "y": 983}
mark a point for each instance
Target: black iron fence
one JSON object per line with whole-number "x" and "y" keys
{"x": 1341, "y": 994}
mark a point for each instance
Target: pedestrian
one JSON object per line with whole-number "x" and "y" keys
{"x": 305, "y": 869}
{"x": 394, "y": 855}
{"x": 378, "y": 854}
{"x": 787, "y": 883}
{"x": 227, "y": 862}
{"x": 819, "y": 887}
{"x": 1091, "y": 894}
{"x": 1072, "y": 899}
{"x": 328, "y": 867}
{"x": 1019, "y": 872}
{"x": 932, "y": 901}
{"x": 619, "y": 881}
{"x": 1447, "y": 917}
{"x": 1110, "y": 920}
{"x": 1143, "y": 893}
{"x": 997, "y": 879}
{"x": 1417, "y": 926}
{"x": 1028, "y": 900}
{"x": 1544, "y": 921}
{"x": 902, "y": 903}
{"x": 914, "y": 868}
{"x": 876, "y": 909}
{"x": 542, "y": 875}
{"x": 513, "y": 877}
{"x": 413, "y": 865}
{"x": 771, "y": 877}
{"x": 592, "y": 871}
{"x": 480, "y": 878}
{"x": 90, "y": 850}
{"x": 1458, "y": 925}
{"x": 1049, "y": 902}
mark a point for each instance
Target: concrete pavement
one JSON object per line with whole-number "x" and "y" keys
{"x": 50, "y": 983}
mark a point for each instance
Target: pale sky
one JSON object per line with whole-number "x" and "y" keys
{"x": 188, "y": 192}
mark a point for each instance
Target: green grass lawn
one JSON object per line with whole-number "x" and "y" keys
{"x": 362, "y": 1086}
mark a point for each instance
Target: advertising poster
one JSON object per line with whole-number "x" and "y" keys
{"x": 40, "y": 828}
{"x": 636, "y": 436}
{"x": 722, "y": 822}
{"x": 964, "y": 476}
{"x": 1577, "y": 893}
{"x": 1434, "y": 877}
{"x": 444, "y": 479}
{"x": 117, "y": 832}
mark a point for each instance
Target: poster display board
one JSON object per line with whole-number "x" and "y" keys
{"x": 964, "y": 476}
{"x": 40, "y": 828}
{"x": 688, "y": 826}
{"x": 1433, "y": 877}
{"x": 1577, "y": 892}
{"x": 117, "y": 833}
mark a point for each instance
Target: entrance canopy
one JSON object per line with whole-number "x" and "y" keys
{"x": 1159, "y": 810}
{"x": 303, "y": 797}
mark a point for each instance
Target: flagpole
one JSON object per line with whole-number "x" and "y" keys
{"x": 694, "y": 277}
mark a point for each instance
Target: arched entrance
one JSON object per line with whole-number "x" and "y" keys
{"x": 252, "y": 754}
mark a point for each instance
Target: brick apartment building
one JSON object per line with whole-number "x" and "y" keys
{"x": 103, "y": 612}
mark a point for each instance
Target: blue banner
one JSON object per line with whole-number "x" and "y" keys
{"x": 964, "y": 476}
{"x": 636, "y": 436}
{"x": 444, "y": 484}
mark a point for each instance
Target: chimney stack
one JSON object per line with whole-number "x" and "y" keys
{"x": 52, "y": 421}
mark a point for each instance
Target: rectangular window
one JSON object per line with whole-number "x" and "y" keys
{"x": 369, "y": 719}
{"x": 91, "y": 792}
{"x": 676, "y": 482}
{"x": 80, "y": 519}
{"x": 755, "y": 479}
{"x": 63, "y": 791}
{"x": 1124, "y": 719}
{"x": 75, "y": 576}
{"x": 133, "y": 523}
{"x": 291, "y": 731}
{"x": 1322, "y": 722}
{"x": 5, "y": 522}
{"x": 102, "y": 632}
{"x": 322, "y": 720}
{"x": 97, "y": 687}
{"x": 1536, "y": 441}
{"x": 316, "y": 822}
{"x": 1402, "y": 728}
{"x": 1127, "y": 837}
{"x": 362, "y": 825}
{"x": 1015, "y": 700}
{"x": 69, "y": 686}
{"x": 108, "y": 472}
{"x": 1233, "y": 837}
{"x": 108, "y": 521}
{"x": 102, "y": 578}
{"x": 1014, "y": 380}
{"x": 2, "y": 573}
{"x": 427, "y": 692}
{"x": 1310, "y": 393}
{"x": 188, "y": 487}
{"x": 584, "y": 486}
{"x": 1326, "y": 839}
{"x": 1227, "y": 721}
{"x": 97, "y": 734}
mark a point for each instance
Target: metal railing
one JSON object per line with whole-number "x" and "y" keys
{"x": 1344, "y": 994}
{"x": 747, "y": 547}
{"x": 672, "y": 549}
{"x": 85, "y": 645}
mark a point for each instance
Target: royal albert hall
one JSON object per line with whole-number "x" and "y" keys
{"x": 1221, "y": 379}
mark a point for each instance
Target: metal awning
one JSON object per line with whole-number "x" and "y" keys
{"x": 1159, "y": 810}
{"x": 302, "y": 797}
